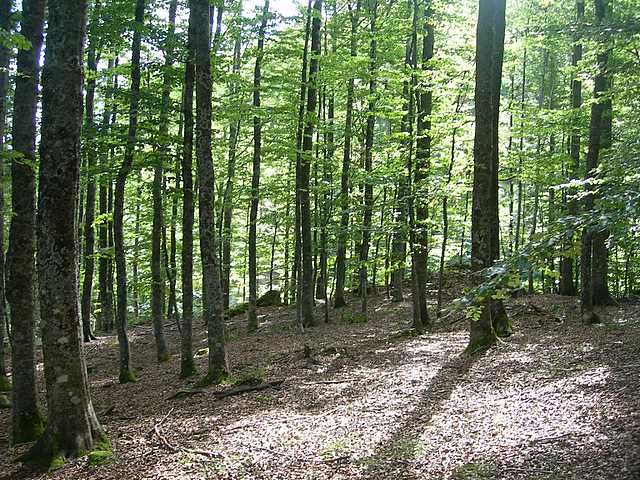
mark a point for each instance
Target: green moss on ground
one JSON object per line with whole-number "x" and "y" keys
{"x": 5, "y": 402}
{"x": 213, "y": 378}
{"x": 102, "y": 452}
{"x": 5, "y": 384}
{"x": 127, "y": 377}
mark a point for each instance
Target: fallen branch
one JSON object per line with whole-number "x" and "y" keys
{"x": 331, "y": 382}
{"x": 185, "y": 393}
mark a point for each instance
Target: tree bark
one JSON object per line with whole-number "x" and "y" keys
{"x": 307, "y": 299}
{"x": 368, "y": 161}
{"x": 105, "y": 285}
{"x": 126, "y": 374}
{"x": 21, "y": 275}
{"x": 91, "y": 160}
{"x": 157, "y": 279}
{"x": 252, "y": 315}
{"x": 5, "y": 24}
{"x": 492, "y": 322}
{"x": 341, "y": 254}
{"x": 212, "y": 303}
{"x": 72, "y": 426}
{"x": 187, "y": 365}
{"x": 421, "y": 174}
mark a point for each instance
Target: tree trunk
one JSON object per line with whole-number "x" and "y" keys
{"x": 341, "y": 267}
{"x": 126, "y": 374}
{"x": 187, "y": 365}
{"x": 423, "y": 158}
{"x": 157, "y": 279}
{"x": 252, "y": 315}
{"x": 105, "y": 284}
{"x": 227, "y": 213}
{"x": 5, "y": 24}
{"x": 21, "y": 275}
{"x": 212, "y": 303}
{"x": 72, "y": 426}
{"x": 492, "y": 322}
{"x": 368, "y": 161}
{"x": 307, "y": 299}
{"x": 567, "y": 286}
{"x": 90, "y": 209}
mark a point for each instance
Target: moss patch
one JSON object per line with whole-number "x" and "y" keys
{"x": 102, "y": 452}
{"x": 4, "y": 401}
{"x": 5, "y": 384}
{"x": 216, "y": 377}
{"x": 127, "y": 377}
{"x": 28, "y": 428}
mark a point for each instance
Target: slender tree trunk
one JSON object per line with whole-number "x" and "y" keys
{"x": 90, "y": 209}
{"x": 307, "y": 299}
{"x": 212, "y": 303}
{"x": 72, "y": 426}
{"x": 157, "y": 279}
{"x": 489, "y": 56}
{"x": 368, "y": 161}
{"x": 252, "y": 315}
{"x": 423, "y": 158}
{"x": 227, "y": 214}
{"x": 105, "y": 287}
{"x": 5, "y": 24}
{"x": 341, "y": 266}
{"x": 445, "y": 208}
{"x": 187, "y": 365}
{"x": 274, "y": 240}
{"x": 521, "y": 153}
{"x": 21, "y": 275}
{"x": 126, "y": 374}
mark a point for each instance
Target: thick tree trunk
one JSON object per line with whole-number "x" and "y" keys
{"x": 5, "y": 24}
{"x": 72, "y": 426}
{"x": 21, "y": 278}
{"x": 341, "y": 267}
{"x": 212, "y": 303}
{"x": 187, "y": 365}
{"x": 252, "y": 315}
{"x": 492, "y": 322}
{"x": 90, "y": 209}
{"x": 157, "y": 279}
{"x": 126, "y": 374}
{"x": 307, "y": 299}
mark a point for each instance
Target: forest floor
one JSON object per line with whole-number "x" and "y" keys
{"x": 555, "y": 401}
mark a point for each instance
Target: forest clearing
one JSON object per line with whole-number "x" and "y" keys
{"x": 372, "y": 401}
{"x": 357, "y": 239}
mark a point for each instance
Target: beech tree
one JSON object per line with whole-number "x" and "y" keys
{"x": 72, "y": 427}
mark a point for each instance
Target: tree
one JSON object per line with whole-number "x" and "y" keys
{"x": 90, "y": 209}
{"x": 5, "y": 25}
{"x": 157, "y": 297}
{"x": 21, "y": 277}
{"x": 489, "y": 56}
{"x": 72, "y": 427}
{"x": 255, "y": 178}
{"x": 341, "y": 254}
{"x": 307, "y": 299}
{"x": 126, "y": 374}
{"x": 187, "y": 366}
{"x": 212, "y": 303}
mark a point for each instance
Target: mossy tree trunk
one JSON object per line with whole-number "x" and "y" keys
{"x": 21, "y": 275}
{"x": 72, "y": 426}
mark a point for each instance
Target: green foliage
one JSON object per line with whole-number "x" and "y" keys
{"x": 102, "y": 452}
